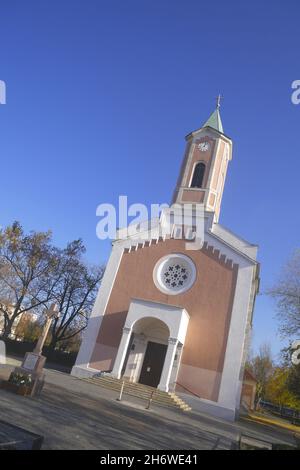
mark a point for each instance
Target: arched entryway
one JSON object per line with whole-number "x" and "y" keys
{"x": 147, "y": 351}
{"x": 147, "y": 322}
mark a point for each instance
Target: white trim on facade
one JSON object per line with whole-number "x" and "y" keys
{"x": 81, "y": 367}
{"x": 230, "y": 386}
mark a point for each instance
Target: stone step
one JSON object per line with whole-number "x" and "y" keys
{"x": 140, "y": 391}
{"x": 136, "y": 385}
{"x": 137, "y": 392}
{"x": 168, "y": 399}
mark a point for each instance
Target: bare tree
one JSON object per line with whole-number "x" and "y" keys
{"x": 286, "y": 293}
{"x": 33, "y": 274}
{"x": 27, "y": 272}
{"x": 74, "y": 293}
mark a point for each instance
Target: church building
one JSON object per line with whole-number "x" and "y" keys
{"x": 172, "y": 317}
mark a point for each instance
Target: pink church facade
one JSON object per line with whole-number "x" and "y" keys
{"x": 172, "y": 317}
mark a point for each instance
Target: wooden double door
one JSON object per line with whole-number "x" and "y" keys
{"x": 153, "y": 364}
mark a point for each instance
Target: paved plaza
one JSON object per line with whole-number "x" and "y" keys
{"x": 74, "y": 414}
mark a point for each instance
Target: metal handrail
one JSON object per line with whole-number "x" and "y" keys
{"x": 188, "y": 390}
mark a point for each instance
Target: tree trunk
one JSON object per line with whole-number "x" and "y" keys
{"x": 8, "y": 327}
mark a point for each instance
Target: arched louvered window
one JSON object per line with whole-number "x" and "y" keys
{"x": 198, "y": 175}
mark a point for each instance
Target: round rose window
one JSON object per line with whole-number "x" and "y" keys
{"x": 174, "y": 274}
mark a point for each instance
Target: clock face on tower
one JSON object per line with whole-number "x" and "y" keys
{"x": 203, "y": 146}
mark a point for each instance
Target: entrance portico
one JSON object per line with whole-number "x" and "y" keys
{"x": 151, "y": 343}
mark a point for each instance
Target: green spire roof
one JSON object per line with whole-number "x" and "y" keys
{"x": 214, "y": 121}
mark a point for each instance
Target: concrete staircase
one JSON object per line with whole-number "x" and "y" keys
{"x": 141, "y": 391}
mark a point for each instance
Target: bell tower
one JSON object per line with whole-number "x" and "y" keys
{"x": 203, "y": 171}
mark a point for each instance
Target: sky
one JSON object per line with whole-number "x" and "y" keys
{"x": 100, "y": 95}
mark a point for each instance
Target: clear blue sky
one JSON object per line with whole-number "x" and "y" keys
{"x": 100, "y": 95}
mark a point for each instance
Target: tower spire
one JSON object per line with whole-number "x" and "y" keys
{"x": 214, "y": 119}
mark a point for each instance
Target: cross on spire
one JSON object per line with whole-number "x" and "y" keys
{"x": 218, "y": 99}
